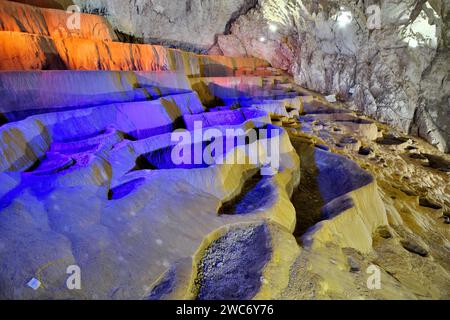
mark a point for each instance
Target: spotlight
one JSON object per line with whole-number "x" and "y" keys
{"x": 273, "y": 27}
{"x": 413, "y": 43}
{"x": 262, "y": 39}
{"x": 344, "y": 18}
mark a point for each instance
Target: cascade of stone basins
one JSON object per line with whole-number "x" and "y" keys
{"x": 163, "y": 174}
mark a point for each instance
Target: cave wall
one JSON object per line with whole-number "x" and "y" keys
{"x": 399, "y": 72}
{"x": 189, "y": 24}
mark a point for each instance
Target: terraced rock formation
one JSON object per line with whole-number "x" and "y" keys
{"x": 88, "y": 178}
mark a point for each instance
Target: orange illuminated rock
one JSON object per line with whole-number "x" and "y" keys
{"x": 90, "y": 26}
{"x": 82, "y": 54}
{"x": 22, "y": 51}
{"x": 20, "y": 17}
{"x": 39, "y": 38}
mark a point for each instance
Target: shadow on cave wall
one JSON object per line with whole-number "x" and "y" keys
{"x": 52, "y": 4}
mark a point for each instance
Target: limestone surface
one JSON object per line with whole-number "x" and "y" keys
{"x": 385, "y": 60}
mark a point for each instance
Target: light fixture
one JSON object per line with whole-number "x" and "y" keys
{"x": 262, "y": 39}
{"x": 273, "y": 27}
{"x": 344, "y": 18}
{"x": 413, "y": 43}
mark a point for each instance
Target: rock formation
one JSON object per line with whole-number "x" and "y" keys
{"x": 304, "y": 199}
{"x": 395, "y": 71}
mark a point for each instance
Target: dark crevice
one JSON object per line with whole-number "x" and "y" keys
{"x": 427, "y": 203}
{"x": 128, "y": 137}
{"x": 307, "y": 198}
{"x": 3, "y": 119}
{"x": 125, "y": 189}
{"x": 256, "y": 193}
{"x": 245, "y": 8}
{"x": 326, "y": 180}
{"x": 391, "y": 140}
{"x": 34, "y": 166}
{"x": 128, "y": 38}
{"x": 142, "y": 163}
{"x": 165, "y": 286}
{"x": 437, "y": 162}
